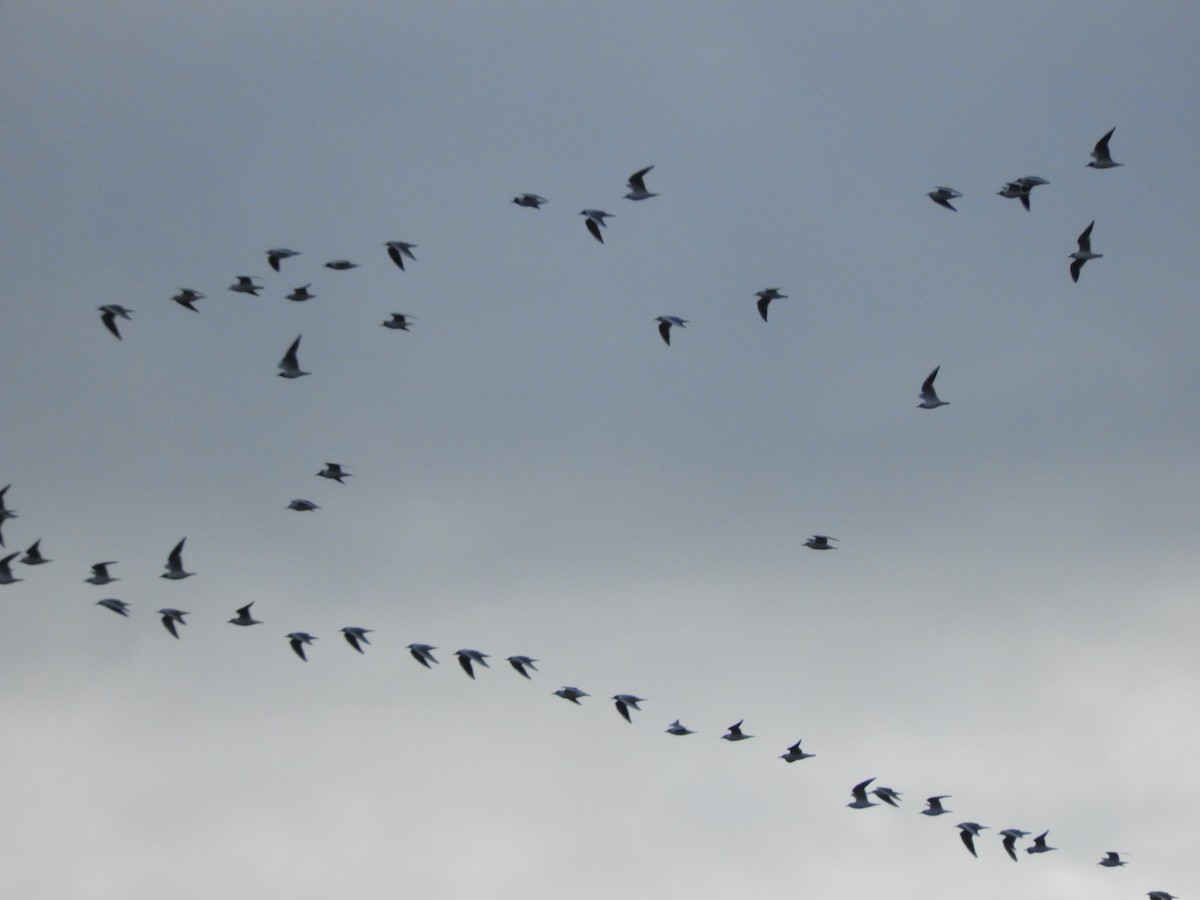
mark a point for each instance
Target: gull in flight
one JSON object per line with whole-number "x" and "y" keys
{"x": 795, "y": 754}
{"x": 637, "y": 186}
{"x": 522, "y": 664}
{"x": 1112, "y": 859}
{"x": 664, "y": 326}
{"x": 466, "y": 657}
{"x": 1161, "y": 895}
{"x": 300, "y": 294}
{"x": 175, "y": 564}
{"x": 171, "y": 617}
{"x": 935, "y": 807}
{"x": 1021, "y": 188}
{"x": 186, "y": 297}
{"x": 735, "y": 733}
{"x": 859, "y": 791}
{"x": 398, "y": 321}
{"x": 929, "y": 397}
{"x": 243, "y": 616}
{"x": 334, "y": 471}
{"x": 571, "y": 693}
{"x": 887, "y": 795}
{"x": 1084, "y": 253}
{"x": 423, "y": 653}
{"x": 942, "y": 196}
{"x": 1100, "y": 156}
{"x": 595, "y": 220}
{"x": 533, "y": 201}
{"x": 289, "y": 366}
{"x": 626, "y": 702}
{"x": 354, "y": 634}
{"x": 676, "y": 728}
{"x": 5, "y": 512}
{"x": 6, "y": 575}
{"x": 765, "y": 298}
{"x": 298, "y": 639}
{"x": 1011, "y": 836}
{"x": 275, "y": 257}
{"x": 245, "y": 285}
{"x": 117, "y": 606}
{"x": 397, "y": 250}
{"x": 967, "y": 831}
{"x": 33, "y": 556}
{"x": 109, "y": 314}
{"x": 820, "y": 542}
{"x": 1039, "y": 844}
{"x": 340, "y": 265}
{"x": 100, "y": 573}
{"x": 303, "y": 505}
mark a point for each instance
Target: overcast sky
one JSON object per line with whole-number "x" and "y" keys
{"x": 1011, "y": 617}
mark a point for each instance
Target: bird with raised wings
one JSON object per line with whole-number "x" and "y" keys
{"x": 289, "y": 366}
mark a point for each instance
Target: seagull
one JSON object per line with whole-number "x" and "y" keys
{"x": 887, "y": 795}
{"x": 303, "y": 505}
{"x": 289, "y": 366}
{"x": 117, "y": 606}
{"x": 664, "y": 326}
{"x": 245, "y": 285}
{"x": 353, "y": 635}
{"x": 1011, "y": 835}
{"x": 521, "y": 663}
{"x": 275, "y": 257}
{"x": 33, "y": 556}
{"x": 860, "y": 795}
{"x": 1039, "y": 844}
{"x": 466, "y": 657}
{"x": 298, "y": 639}
{"x": 935, "y": 807}
{"x": 929, "y": 397}
{"x": 595, "y": 220}
{"x": 340, "y": 265}
{"x": 637, "y": 187}
{"x": 170, "y": 617}
{"x": 967, "y": 831}
{"x": 820, "y": 542}
{"x": 108, "y": 315}
{"x": 6, "y": 575}
{"x": 5, "y": 512}
{"x": 243, "y": 616}
{"x": 626, "y": 702}
{"x": 1020, "y": 188}
{"x": 100, "y": 573}
{"x": 571, "y": 693}
{"x": 422, "y": 653}
{"x": 399, "y": 321}
{"x": 175, "y": 564}
{"x": 186, "y": 297}
{"x": 942, "y": 196}
{"x": 1161, "y": 895}
{"x": 676, "y": 728}
{"x": 300, "y": 294}
{"x": 1100, "y": 155}
{"x": 1112, "y": 859}
{"x": 397, "y": 250}
{"x": 334, "y": 471}
{"x": 735, "y": 733}
{"x": 1084, "y": 253}
{"x": 533, "y": 201}
{"x": 795, "y": 754}
{"x": 765, "y": 298}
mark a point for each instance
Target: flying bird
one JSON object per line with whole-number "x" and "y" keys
{"x": 6, "y": 575}
{"x": 887, "y": 795}
{"x": 186, "y": 297}
{"x": 942, "y": 196}
{"x": 340, "y": 265}
{"x": 117, "y": 606}
{"x": 334, "y": 471}
{"x": 968, "y": 831}
{"x": 820, "y": 542}
{"x": 533, "y": 201}
{"x": 243, "y": 616}
{"x": 935, "y": 807}
{"x": 664, "y": 326}
{"x": 109, "y": 314}
{"x": 595, "y": 221}
{"x": 1084, "y": 253}
{"x": 1112, "y": 859}
{"x": 171, "y": 617}
{"x": 795, "y": 754}
{"x": 275, "y": 257}
{"x": 175, "y": 564}
{"x": 1021, "y": 188}
{"x": 929, "y": 397}
{"x": 100, "y": 573}
{"x": 423, "y": 653}
{"x": 289, "y": 366}
{"x": 397, "y": 250}
{"x": 859, "y": 792}
{"x": 1100, "y": 155}
{"x": 571, "y": 693}
{"x": 522, "y": 664}
{"x": 1161, "y": 895}
{"x": 1039, "y": 844}
{"x": 303, "y": 505}
{"x": 637, "y": 185}
{"x": 734, "y": 733}
{"x": 354, "y": 634}
{"x": 300, "y": 294}
{"x": 298, "y": 639}
{"x": 626, "y": 702}
{"x": 765, "y": 298}
{"x": 467, "y": 657}
{"x": 5, "y": 512}
{"x": 245, "y": 285}
{"x": 676, "y": 728}
{"x": 398, "y": 321}
{"x": 1011, "y": 836}
{"x": 33, "y": 556}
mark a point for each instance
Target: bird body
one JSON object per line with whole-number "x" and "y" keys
{"x": 398, "y": 321}
{"x": 109, "y": 313}
{"x": 397, "y": 250}
{"x": 820, "y": 542}
{"x": 289, "y": 366}
{"x": 1011, "y": 836}
{"x": 626, "y": 702}
{"x": 859, "y": 792}
{"x": 637, "y": 185}
{"x": 1039, "y": 844}
{"x": 765, "y": 298}
{"x": 665, "y": 324}
{"x": 887, "y": 795}
{"x": 968, "y": 831}
{"x": 186, "y": 297}
{"x": 120, "y": 607}
{"x": 245, "y": 285}
{"x": 1084, "y": 253}
{"x": 6, "y": 575}
{"x": 734, "y": 733}
{"x": 533, "y": 201}
{"x": 935, "y": 807}
{"x": 356, "y": 636}
{"x": 174, "y": 565}
{"x": 1101, "y": 158}
{"x": 341, "y": 265}
{"x": 423, "y": 653}
{"x": 929, "y": 397}
{"x": 33, "y": 556}
{"x": 298, "y": 639}
{"x": 243, "y": 616}
{"x": 303, "y": 505}
{"x": 795, "y": 754}
{"x": 467, "y": 657}
{"x": 571, "y": 693}
{"x": 300, "y": 294}
{"x": 678, "y": 729}
{"x": 1112, "y": 859}
{"x": 522, "y": 664}
{"x": 334, "y": 472}
{"x": 942, "y": 197}
{"x": 100, "y": 573}
{"x": 171, "y": 618}
{"x": 275, "y": 257}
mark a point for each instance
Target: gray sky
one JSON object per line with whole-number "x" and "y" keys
{"x": 1011, "y": 617}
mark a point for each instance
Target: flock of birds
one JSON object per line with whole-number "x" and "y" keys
{"x": 595, "y": 222}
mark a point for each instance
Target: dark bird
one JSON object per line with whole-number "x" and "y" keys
{"x": 175, "y": 564}
{"x": 637, "y": 185}
{"x": 298, "y": 639}
{"x": 186, "y": 297}
{"x": 1084, "y": 253}
{"x": 533, "y": 201}
{"x": 522, "y": 663}
{"x": 243, "y": 616}
{"x": 942, "y": 196}
{"x": 397, "y": 250}
{"x": 466, "y": 657}
{"x": 109, "y": 314}
{"x": 664, "y": 326}
{"x": 1100, "y": 155}
{"x": 171, "y": 617}
{"x": 765, "y": 298}
{"x": 353, "y": 635}
{"x": 275, "y": 257}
